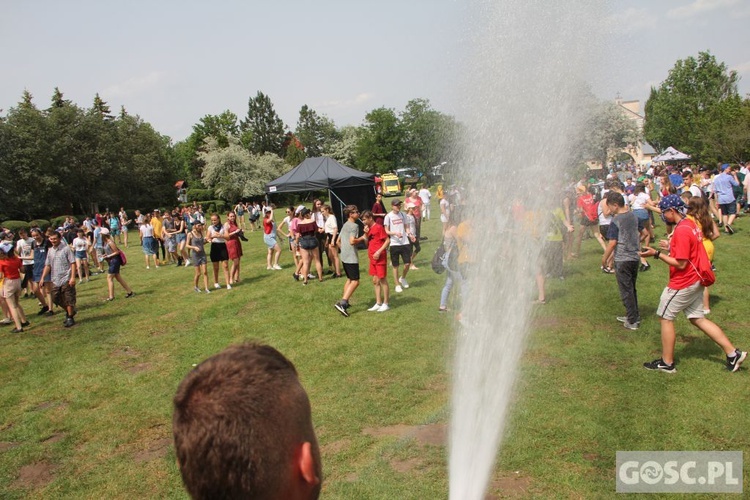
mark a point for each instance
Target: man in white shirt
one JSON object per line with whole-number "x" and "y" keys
{"x": 425, "y": 195}
{"x": 400, "y": 247}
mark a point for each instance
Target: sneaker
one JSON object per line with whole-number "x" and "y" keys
{"x": 631, "y": 326}
{"x": 49, "y": 313}
{"x": 645, "y": 267}
{"x": 217, "y": 286}
{"x": 197, "y": 289}
{"x": 229, "y": 287}
{"x": 730, "y": 229}
{"x": 187, "y": 263}
{"x": 624, "y": 319}
{"x": 660, "y": 365}
{"x": 383, "y": 308}
{"x": 131, "y": 294}
{"x": 25, "y": 323}
{"x": 42, "y": 311}
{"x": 148, "y": 267}
{"x": 607, "y": 270}
{"x": 69, "y": 321}
{"x": 376, "y": 307}
{"x": 341, "y": 308}
{"x": 6, "y": 321}
{"x": 268, "y": 268}
{"x": 207, "y": 290}
{"x": 17, "y": 330}
{"x": 403, "y": 282}
{"x": 276, "y": 267}
{"x": 295, "y": 276}
{"x": 399, "y": 289}
{"x": 733, "y": 363}
{"x": 311, "y": 276}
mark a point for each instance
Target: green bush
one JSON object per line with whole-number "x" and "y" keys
{"x": 60, "y": 220}
{"x": 194, "y": 194}
{"x": 15, "y": 225}
{"x": 42, "y": 224}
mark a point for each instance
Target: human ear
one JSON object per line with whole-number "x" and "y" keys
{"x": 307, "y": 466}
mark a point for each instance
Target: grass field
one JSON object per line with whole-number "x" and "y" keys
{"x": 86, "y": 412}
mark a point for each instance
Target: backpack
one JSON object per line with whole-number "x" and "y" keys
{"x": 442, "y": 255}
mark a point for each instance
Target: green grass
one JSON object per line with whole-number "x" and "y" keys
{"x": 92, "y": 404}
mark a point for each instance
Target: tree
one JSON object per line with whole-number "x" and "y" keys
{"x": 381, "y": 143}
{"x": 344, "y": 148}
{"x": 57, "y": 100}
{"x": 607, "y": 132}
{"x": 234, "y": 173}
{"x": 265, "y": 126}
{"x": 698, "y": 97}
{"x": 295, "y": 151}
{"x": 315, "y": 132}
{"x": 101, "y": 108}
{"x": 429, "y": 136}
{"x": 220, "y": 127}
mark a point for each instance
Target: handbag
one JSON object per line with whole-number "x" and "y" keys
{"x": 123, "y": 259}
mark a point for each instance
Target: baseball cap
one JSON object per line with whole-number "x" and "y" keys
{"x": 299, "y": 209}
{"x": 104, "y": 230}
{"x": 396, "y": 202}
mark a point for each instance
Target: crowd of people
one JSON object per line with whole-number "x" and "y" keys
{"x": 694, "y": 203}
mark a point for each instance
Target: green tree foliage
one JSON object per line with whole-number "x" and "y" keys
{"x": 233, "y": 172}
{"x": 316, "y": 133}
{"x": 381, "y": 142}
{"x": 265, "y": 127}
{"x": 691, "y": 107}
{"x": 72, "y": 160}
{"x": 295, "y": 151}
{"x": 429, "y": 135}
{"x": 220, "y": 127}
{"x": 344, "y": 148}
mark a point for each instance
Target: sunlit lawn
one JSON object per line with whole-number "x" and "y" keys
{"x": 86, "y": 412}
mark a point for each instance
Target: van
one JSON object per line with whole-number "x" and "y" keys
{"x": 390, "y": 185}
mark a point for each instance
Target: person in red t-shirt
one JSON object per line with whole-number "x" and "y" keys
{"x": 10, "y": 269}
{"x": 588, "y": 210}
{"x": 684, "y": 291}
{"x": 377, "y": 243}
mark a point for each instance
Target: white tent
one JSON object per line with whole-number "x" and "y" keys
{"x": 671, "y": 154}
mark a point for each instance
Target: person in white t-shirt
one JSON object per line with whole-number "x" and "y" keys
{"x": 425, "y": 195}
{"x": 26, "y": 254}
{"x": 400, "y": 246}
{"x": 80, "y": 251}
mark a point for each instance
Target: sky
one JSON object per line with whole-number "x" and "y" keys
{"x": 173, "y": 62}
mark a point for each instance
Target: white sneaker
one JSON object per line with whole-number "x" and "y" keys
{"x": 229, "y": 287}
{"x": 399, "y": 289}
{"x": 148, "y": 267}
{"x": 187, "y": 263}
{"x": 208, "y": 291}
{"x": 197, "y": 289}
{"x": 217, "y": 286}
{"x": 403, "y": 282}
{"x": 276, "y": 267}
{"x": 268, "y": 268}
{"x": 157, "y": 267}
{"x": 383, "y": 308}
{"x": 376, "y": 307}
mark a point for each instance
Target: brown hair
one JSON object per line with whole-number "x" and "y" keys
{"x": 698, "y": 208}
{"x": 238, "y": 417}
{"x": 349, "y": 209}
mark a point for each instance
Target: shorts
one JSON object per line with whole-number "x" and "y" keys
{"x": 585, "y": 221}
{"x": 689, "y": 300}
{"x": 641, "y": 213}
{"x": 270, "y": 240}
{"x": 64, "y": 296}
{"x": 728, "y": 208}
{"x": 180, "y": 237}
{"x": 379, "y": 267}
{"x": 124, "y": 229}
{"x": 219, "y": 252}
{"x": 81, "y": 255}
{"x": 403, "y": 251}
{"x": 308, "y": 242}
{"x": 198, "y": 259}
{"x": 114, "y": 265}
{"x": 292, "y": 243}
{"x": 114, "y": 232}
{"x": 10, "y": 287}
{"x": 148, "y": 245}
{"x": 603, "y": 230}
{"x": 329, "y": 238}
{"x": 352, "y": 271}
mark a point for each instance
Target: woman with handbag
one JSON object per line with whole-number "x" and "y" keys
{"x": 114, "y": 259}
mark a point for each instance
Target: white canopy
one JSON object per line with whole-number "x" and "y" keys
{"x": 671, "y": 154}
